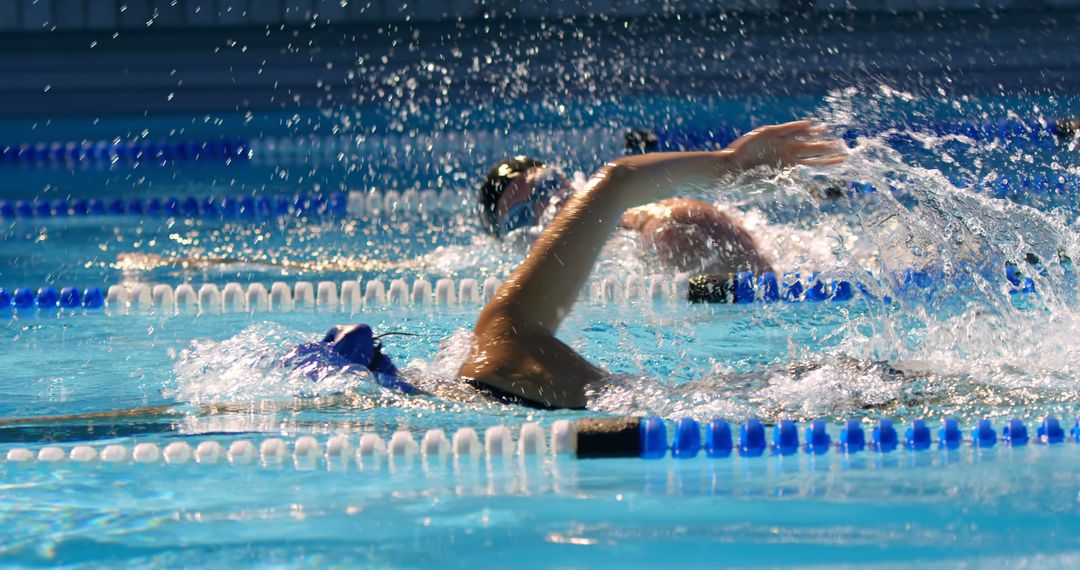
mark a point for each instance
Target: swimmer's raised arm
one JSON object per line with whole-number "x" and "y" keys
{"x": 514, "y": 350}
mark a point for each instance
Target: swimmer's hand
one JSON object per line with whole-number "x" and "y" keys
{"x": 789, "y": 144}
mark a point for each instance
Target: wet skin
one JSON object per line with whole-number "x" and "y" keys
{"x": 695, "y": 236}
{"x": 515, "y": 349}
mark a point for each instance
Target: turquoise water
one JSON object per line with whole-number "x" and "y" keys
{"x": 967, "y": 347}
{"x": 1006, "y": 508}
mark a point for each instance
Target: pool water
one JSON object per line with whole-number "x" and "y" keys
{"x": 938, "y": 510}
{"x": 968, "y": 346}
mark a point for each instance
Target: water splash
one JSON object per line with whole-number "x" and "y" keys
{"x": 958, "y": 338}
{"x": 961, "y": 340}
{"x": 966, "y": 344}
{"x": 252, "y": 366}
{"x": 805, "y": 391}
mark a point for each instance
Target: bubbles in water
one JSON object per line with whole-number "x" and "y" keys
{"x": 252, "y": 365}
{"x": 940, "y": 251}
{"x": 956, "y": 338}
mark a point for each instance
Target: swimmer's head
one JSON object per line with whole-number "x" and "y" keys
{"x": 357, "y": 344}
{"x": 516, "y": 193}
{"x": 354, "y": 343}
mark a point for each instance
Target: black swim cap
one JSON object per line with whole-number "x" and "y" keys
{"x": 498, "y": 178}
{"x": 709, "y": 289}
{"x": 1066, "y": 128}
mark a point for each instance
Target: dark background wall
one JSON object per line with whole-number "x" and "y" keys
{"x": 47, "y": 15}
{"x": 146, "y": 57}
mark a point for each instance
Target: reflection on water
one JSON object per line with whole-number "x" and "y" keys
{"x": 955, "y": 338}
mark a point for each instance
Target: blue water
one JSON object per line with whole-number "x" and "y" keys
{"x": 938, "y": 510}
{"x": 967, "y": 348}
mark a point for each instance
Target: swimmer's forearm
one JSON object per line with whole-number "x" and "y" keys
{"x": 659, "y": 175}
{"x": 543, "y": 289}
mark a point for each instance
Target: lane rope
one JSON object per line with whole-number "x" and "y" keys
{"x": 591, "y": 438}
{"x": 353, "y": 295}
{"x": 403, "y": 145}
{"x": 357, "y": 204}
{"x": 334, "y": 204}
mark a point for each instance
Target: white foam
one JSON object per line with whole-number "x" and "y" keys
{"x": 249, "y": 366}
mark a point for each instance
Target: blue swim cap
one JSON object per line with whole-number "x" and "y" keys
{"x": 355, "y": 344}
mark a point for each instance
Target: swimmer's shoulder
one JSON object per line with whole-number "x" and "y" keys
{"x": 537, "y": 367}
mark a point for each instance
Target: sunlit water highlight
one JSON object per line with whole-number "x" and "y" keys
{"x": 966, "y": 347}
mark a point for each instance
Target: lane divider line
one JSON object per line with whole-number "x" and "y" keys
{"x": 589, "y": 438}
{"x": 353, "y": 295}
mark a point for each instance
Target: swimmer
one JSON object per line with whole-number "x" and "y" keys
{"x": 351, "y": 346}
{"x": 353, "y": 349}
{"x": 523, "y": 193}
{"x": 515, "y": 356}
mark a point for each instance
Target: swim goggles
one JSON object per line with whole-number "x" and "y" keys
{"x": 547, "y": 184}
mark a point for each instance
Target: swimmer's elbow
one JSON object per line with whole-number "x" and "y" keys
{"x": 622, "y": 182}
{"x": 500, "y": 323}
{"x": 619, "y": 171}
